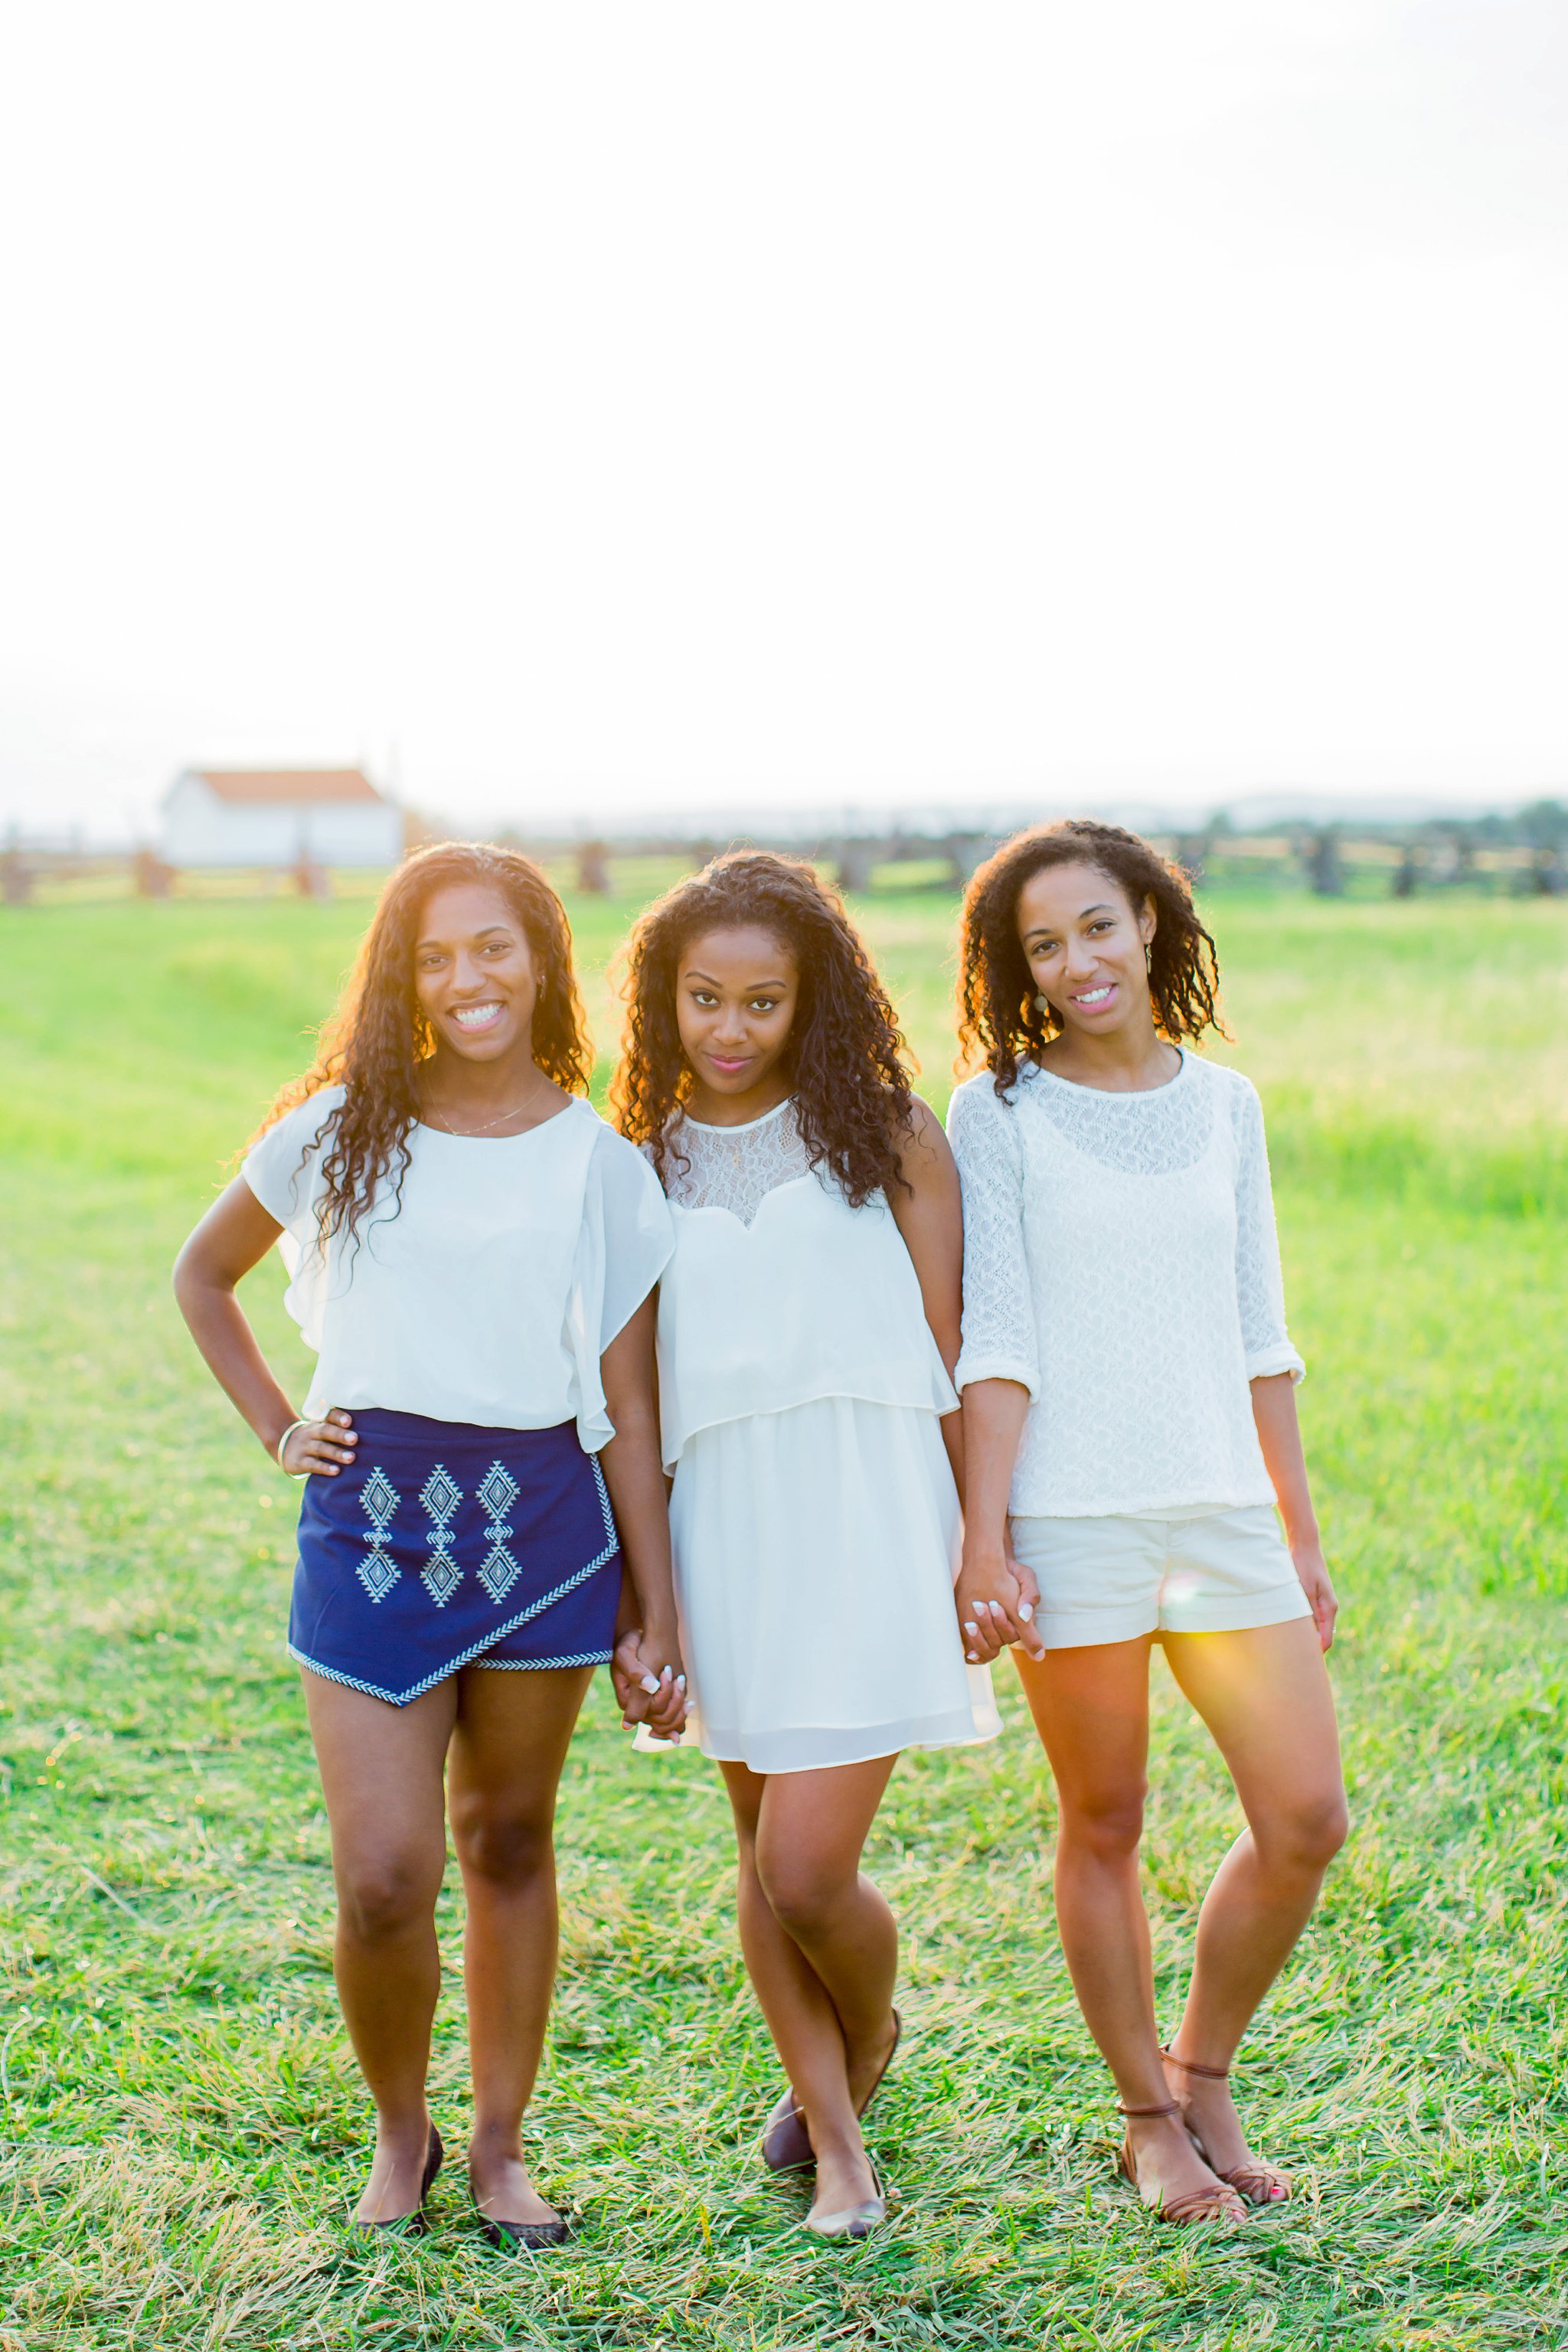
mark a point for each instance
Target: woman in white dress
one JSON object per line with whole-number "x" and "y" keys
{"x": 1129, "y": 1428}
{"x": 472, "y": 1253}
{"x": 807, "y": 1326}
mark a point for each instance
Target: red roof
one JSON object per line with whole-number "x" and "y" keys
{"x": 287, "y": 786}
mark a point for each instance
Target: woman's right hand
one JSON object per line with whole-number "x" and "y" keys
{"x": 648, "y": 1680}
{"x": 318, "y": 1449}
{"x": 995, "y": 1597}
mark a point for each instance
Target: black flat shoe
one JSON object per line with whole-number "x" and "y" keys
{"x": 413, "y": 2225}
{"x": 510, "y": 2235}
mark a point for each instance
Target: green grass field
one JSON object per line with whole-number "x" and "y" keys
{"x": 182, "y": 2124}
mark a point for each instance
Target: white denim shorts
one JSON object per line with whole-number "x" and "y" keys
{"x": 1116, "y": 1579}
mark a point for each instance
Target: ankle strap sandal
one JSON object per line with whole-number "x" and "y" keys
{"x": 1198, "y": 2204}
{"x": 1258, "y": 2183}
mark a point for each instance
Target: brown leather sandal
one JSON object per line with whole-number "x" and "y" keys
{"x": 1259, "y": 2183}
{"x": 1198, "y": 2204}
{"x": 786, "y": 2144}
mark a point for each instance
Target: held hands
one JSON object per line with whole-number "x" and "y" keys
{"x": 318, "y": 1449}
{"x": 996, "y": 1597}
{"x": 1312, "y": 1571}
{"x": 650, "y": 1681}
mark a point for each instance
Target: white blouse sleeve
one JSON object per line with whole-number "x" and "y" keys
{"x": 627, "y": 1240}
{"x": 282, "y": 1166}
{"x": 999, "y": 1339}
{"x": 1259, "y": 1286}
{"x": 626, "y": 1204}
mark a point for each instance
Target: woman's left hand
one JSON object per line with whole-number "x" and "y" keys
{"x": 1312, "y": 1569}
{"x": 650, "y": 1681}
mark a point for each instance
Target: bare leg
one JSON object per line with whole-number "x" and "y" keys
{"x": 1090, "y": 1708}
{"x": 381, "y": 1774}
{"x": 1265, "y": 1695}
{"x": 821, "y": 1949}
{"x": 508, "y": 1749}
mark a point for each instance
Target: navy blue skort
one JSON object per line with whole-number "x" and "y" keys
{"x": 448, "y": 1546}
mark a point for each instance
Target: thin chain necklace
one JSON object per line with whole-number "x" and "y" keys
{"x": 469, "y": 1133}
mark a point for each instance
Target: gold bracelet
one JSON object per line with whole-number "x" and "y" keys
{"x": 303, "y": 1423}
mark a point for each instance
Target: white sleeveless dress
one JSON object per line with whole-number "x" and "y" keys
{"x": 813, "y": 1515}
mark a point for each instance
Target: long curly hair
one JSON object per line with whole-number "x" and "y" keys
{"x": 1001, "y": 1019}
{"x": 847, "y": 1056}
{"x": 374, "y": 1044}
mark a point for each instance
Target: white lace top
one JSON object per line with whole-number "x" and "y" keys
{"x": 1121, "y": 1262}
{"x": 780, "y": 1293}
{"x": 734, "y": 1168}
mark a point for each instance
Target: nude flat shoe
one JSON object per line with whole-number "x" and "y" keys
{"x": 786, "y": 2142}
{"x": 852, "y": 2221}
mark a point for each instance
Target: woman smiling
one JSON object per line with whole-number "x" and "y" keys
{"x": 1130, "y": 1430}
{"x": 472, "y": 1254}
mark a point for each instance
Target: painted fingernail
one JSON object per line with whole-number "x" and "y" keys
{"x": 1024, "y": 1612}
{"x": 680, "y": 1681}
{"x": 970, "y": 1627}
{"x": 651, "y": 1683}
{"x": 973, "y": 1656}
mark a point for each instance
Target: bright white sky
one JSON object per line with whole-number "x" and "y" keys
{"x": 621, "y": 404}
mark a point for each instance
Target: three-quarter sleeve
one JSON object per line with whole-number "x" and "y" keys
{"x": 999, "y": 1341}
{"x": 1259, "y": 1285}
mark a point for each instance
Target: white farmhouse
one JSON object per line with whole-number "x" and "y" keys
{"x": 274, "y": 816}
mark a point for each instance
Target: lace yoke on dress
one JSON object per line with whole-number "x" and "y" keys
{"x": 734, "y": 1168}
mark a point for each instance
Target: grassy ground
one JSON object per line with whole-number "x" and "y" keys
{"x": 182, "y": 2122}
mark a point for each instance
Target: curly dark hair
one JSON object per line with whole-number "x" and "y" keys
{"x": 847, "y": 1055}
{"x": 376, "y": 1039}
{"x": 1001, "y": 1022}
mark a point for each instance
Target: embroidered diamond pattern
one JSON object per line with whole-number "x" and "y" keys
{"x": 500, "y": 1571}
{"x": 378, "y": 1574}
{"x": 378, "y": 1498}
{"x": 499, "y": 1492}
{"x": 441, "y": 1578}
{"x": 440, "y": 1495}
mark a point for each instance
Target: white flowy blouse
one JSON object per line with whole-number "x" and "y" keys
{"x": 813, "y": 1518}
{"x": 780, "y": 1293}
{"x": 487, "y": 1291}
{"x": 1121, "y": 1264}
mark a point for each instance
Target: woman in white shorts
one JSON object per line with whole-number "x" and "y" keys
{"x": 1129, "y": 1432}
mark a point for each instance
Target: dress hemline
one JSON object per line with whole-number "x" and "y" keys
{"x": 868, "y": 1744}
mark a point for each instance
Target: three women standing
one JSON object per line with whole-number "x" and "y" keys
{"x": 475, "y": 1255}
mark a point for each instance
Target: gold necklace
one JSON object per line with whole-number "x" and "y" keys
{"x": 467, "y": 1134}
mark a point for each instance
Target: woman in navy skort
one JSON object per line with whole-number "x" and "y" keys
{"x": 472, "y": 1253}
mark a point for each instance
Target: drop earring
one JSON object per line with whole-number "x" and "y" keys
{"x": 1042, "y": 1004}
